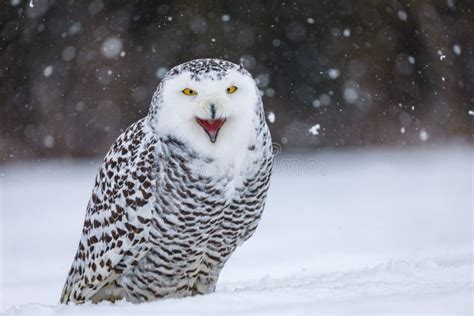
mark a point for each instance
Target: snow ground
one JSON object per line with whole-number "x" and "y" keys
{"x": 369, "y": 231}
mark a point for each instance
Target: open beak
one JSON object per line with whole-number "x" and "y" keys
{"x": 211, "y": 127}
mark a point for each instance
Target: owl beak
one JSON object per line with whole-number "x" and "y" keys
{"x": 211, "y": 127}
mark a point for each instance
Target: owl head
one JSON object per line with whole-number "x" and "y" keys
{"x": 211, "y": 104}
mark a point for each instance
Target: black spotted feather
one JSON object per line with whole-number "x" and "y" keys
{"x": 158, "y": 227}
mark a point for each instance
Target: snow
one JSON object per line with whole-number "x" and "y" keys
{"x": 442, "y": 56}
{"x": 48, "y": 141}
{"x": 69, "y": 53}
{"x": 95, "y": 7}
{"x": 350, "y": 95}
{"x": 161, "y": 72}
{"x": 369, "y": 232}
{"x": 47, "y": 71}
{"x": 424, "y": 135}
{"x": 262, "y": 80}
{"x": 314, "y": 130}
{"x": 74, "y": 29}
{"x": 333, "y": 73}
{"x": 402, "y": 15}
{"x": 457, "y": 49}
{"x": 271, "y": 117}
{"x": 225, "y": 18}
{"x": 325, "y": 99}
{"x": 269, "y": 92}
{"x": 112, "y": 47}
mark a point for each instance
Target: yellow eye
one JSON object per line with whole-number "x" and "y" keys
{"x": 188, "y": 91}
{"x": 231, "y": 89}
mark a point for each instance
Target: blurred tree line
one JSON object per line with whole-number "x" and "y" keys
{"x": 74, "y": 74}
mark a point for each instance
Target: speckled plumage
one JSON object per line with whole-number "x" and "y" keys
{"x": 165, "y": 215}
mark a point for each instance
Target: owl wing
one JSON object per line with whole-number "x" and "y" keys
{"x": 115, "y": 234}
{"x": 254, "y": 196}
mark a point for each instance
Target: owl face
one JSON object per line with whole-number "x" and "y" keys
{"x": 211, "y": 103}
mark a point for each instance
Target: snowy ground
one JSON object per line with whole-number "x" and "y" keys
{"x": 373, "y": 231}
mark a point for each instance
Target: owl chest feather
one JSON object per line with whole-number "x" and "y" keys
{"x": 201, "y": 213}
{"x": 196, "y": 202}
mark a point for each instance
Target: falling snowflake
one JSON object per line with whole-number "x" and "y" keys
{"x": 161, "y": 72}
{"x": 271, "y": 117}
{"x": 402, "y": 15}
{"x": 457, "y": 49}
{"x": 48, "y": 141}
{"x": 424, "y": 135}
{"x": 111, "y": 47}
{"x": 441, "y": 55}
{"x": 270, "y": 92}
{"x": 47, "y": 71}
{"x": 333, "y": 73}
{"x": 225, "y": 18}
{"x": 314, "y": 130}
{"x": 325, "y": 99}
{"x": 350, "y": 95}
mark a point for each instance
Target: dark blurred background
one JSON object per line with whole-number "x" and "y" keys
{"x": 74, "y": 74}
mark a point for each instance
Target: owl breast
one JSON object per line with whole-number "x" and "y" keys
{"x": 200, "y": 216}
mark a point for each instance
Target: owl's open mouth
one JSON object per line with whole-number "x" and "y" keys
{"x": 211, "y": 127}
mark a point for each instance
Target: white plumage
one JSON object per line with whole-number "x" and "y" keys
{"x": 178, "y": 191}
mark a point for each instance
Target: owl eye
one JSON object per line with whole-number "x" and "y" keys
{"x": 188, "y": 91}
{"x": 231, "y": 89}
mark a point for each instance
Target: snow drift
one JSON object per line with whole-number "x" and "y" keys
{"x": 373, "y": 231}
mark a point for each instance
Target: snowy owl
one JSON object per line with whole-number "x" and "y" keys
{"x": 178, "y": 191}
